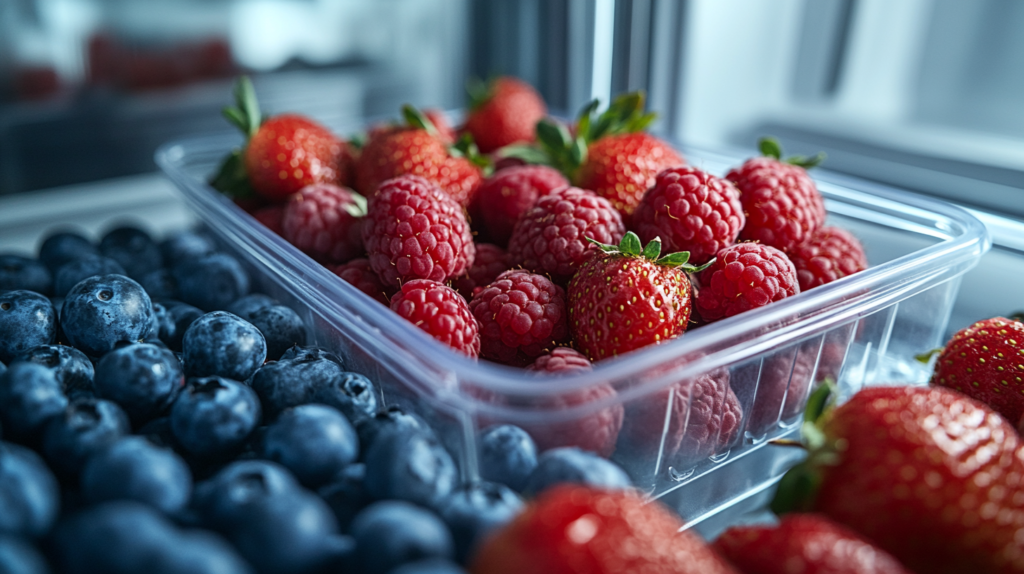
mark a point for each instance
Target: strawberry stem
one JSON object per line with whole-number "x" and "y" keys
{"x": 770, "y": 147}
{"x": 417, "y": 119}
{"x": 630, "y": 247}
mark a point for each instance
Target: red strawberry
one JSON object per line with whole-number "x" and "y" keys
{"x": 804, "y": 543}
{"x": 441, "y": 312}
{"x": 744, "y": 277}
{"x": 440, "y": 121}
{"x": 831, "y": 253}
{"x": 282, "y": 154}
{"x": 413, "y": 230}
{"x": 359, "y": 273}
{"x": 929, "y": 475}
{"x": 986, "y": 362}
{"x": 415, "y": 149}
{"x": 504, "y": 196}
{"x": 782, "y": 205}
{"x": 489, "y": 262}
{"x": 503, "y": 113}
{"x": 323, "y": 220}
{"x": 580, "y": 530}
{"x": 520, "y": 313}
{"x": 690, "y": 210}
{"x": 623, "y": 298}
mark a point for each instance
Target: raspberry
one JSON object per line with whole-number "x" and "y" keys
{"x": 782, "y": 204}
{"x": 743, "y": 277}
{"x": 571, "y": 528}
{"x": 560, "y": 360}
{"x": 550, "y": 237}
{"x": 359, "y": 273}
{"x": 831, "y": 253}
{"x": 504, "y": 196}
{"x": 596, "y": 432}
{"x": 272, "y": 217}
{"x": 441, "y": 312}
{"x": 520, "y": 312}
{"x": 317, "y": 220}
{"x": 413, "y": 230}
{"x": 490, "y": 261}
{"x": 690, "y": 210}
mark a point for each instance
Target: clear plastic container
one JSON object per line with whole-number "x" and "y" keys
{"x": 697, "y": 412}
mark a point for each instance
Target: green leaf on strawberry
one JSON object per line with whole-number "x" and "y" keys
{"x": 770, "y": 147}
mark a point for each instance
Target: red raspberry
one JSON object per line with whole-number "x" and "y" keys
{"x": 561, "y": 360}
{"x": 318, "y": 221}
{"x": 359, "y": 273}
{"x": 783, "y": 380}
{"x": 782, "y": 204}
{"x": 743, "y": 277}
{"x": 550, "y": 237}
{"x": 271, "y": 216}
{"x": 490, "y": 261}
{"x": 831, "y": 253}
{"x": 441, "y": 312}
{"x": 690, "y": 210}
{"x": 520, "y": 313}
{"x": 596, "y": 432}
{"x": 504, "y": 196}
{"x": 413, "y": 230}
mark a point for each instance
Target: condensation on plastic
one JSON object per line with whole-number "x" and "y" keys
{"x": 697, "y": 412}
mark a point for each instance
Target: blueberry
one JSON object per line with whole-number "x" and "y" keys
{"x": 346, "y": 494}
{"x": 143, "y": 378}
{"x": 409, "y": 465}
{"x": 71, "y": 367}
{"x": 429, "y": 566}
{"x": 475, "y": 510}
{"x": 245, "y": 306}
{"x": 185, "y": 246}
{"x": 134, "y": 249}
{"x": 392, "y": 418}
{"x": 281, "y": 327}
{"x": 315, "y": 442}
{"x": 211, "y": 282}
{"x": 29, "y": 496}
{"x": 120, "y": 537}
{"x": 27, "y": 319}
{"x": 65, "y": 247}
{"x": 301, "y": 353}
{"x": 103, "y": 310}
{"x": 29, "y": 396}
{"x": 17, "y": 556}
{"x": 23, "y": 273}
{"x": 290, "y": 383}
{"x": 160, "y": 284}
{"x": 220, "y": 499}
{"x": 87, "y": 426}
{"x": 391, "y": 533}
{"x": 158, "y": 431}
{"x": 221, "y": 344}
{"x": 570, "y": 464}
{"x": 201, "y": 552}
{"x": 73, "y": 272}
{"x": 213, "y": 416}
{"x": 180, "y": 318}
{"x": 507, "y": 455}
{"x": 352, "y": 394}
{"x": 134, "y": 469}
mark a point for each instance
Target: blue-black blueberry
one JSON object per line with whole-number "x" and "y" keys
{"x": 24, "y": 273}
{"x": 65, "y": 247}
{"x": 346, "y": 494}
{"x": 29, "y": 396}
{"x": 134, "y": 249}
{"x": 220, "y": 499}
{"x": 409, "y": 465}
{"x": 213, "y": 416}
{"x": 474, "y": 510}
{"x": 507, "y": 455}
{"x": 143, "y": 379}
{"x": 394, "y": 417}
{"x": 85, "y": 427}
{"x": 27, "y": 319}
{"x": 352, "y": 394}
{"x": 211, "y": 282}
{"x": 314, "y": 441}
{"x": 18, "y": 556}
{"x": 391, "y": 533}
{"x": 180, "y": 318}
{"x": 245, "y": 306}
{"x": 224, "y": 345}
{"x": 281, "y": 327}
{"x": 160, "y": 284}
{"x": 293, "y": 382}
{"x": 73, "y": 370}
{"x": 429, "y": 566}
{"x": 29, "y": 495}
{"x": 103, "y": 310}
{"x": 73, "y": 272}
{"x": 572, "y": 465}
{"x": 135, "y": 469}
{"x": 185, "y": 246}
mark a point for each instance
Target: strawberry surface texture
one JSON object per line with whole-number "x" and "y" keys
{"x": 503, "y": 113}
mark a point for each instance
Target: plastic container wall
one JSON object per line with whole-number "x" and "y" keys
{"x": 689, "y": 419}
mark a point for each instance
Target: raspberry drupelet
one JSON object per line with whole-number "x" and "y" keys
{"x": 323, "y": 221}
{"x": 359, "y": 273}
{"x": 490, "y": 261}
{"x": 520, "y": 313}
{"x": 743, "y": 277}
{"x": 441, "y": 312}
{"x": 504, "y": 196}
{"x": 831, "y": 253}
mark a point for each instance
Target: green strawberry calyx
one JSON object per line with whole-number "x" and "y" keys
{"x": 770, "y": 147}
{"x": 231, "y": 178}
{"x": 465, "y": 147}
{"x": 799, "y": 486}
{"x": 479, "y": 91}
{"x": 630, "y": 247}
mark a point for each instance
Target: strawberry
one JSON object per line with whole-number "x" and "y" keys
{"x": 576, "y": 529}
{"x": 282, "y": 154}
{"x": 503, "y": 112}
{"x": 928, "y": 474}
{"x": 610, "y": 154}
{"x": 986, "y": 362}
{"x": 417, "y": 148}
{"x": 625, "y": 298}
{"x": 805, "y": 543}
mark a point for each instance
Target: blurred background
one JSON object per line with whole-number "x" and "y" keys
{"x": 921, "y": 94}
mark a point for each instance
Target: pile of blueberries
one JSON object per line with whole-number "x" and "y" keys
{"x": 157, "y": 416}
